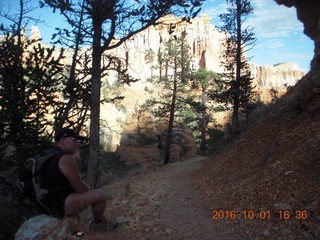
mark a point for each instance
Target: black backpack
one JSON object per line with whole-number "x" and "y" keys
{"x": 30, "y": 177}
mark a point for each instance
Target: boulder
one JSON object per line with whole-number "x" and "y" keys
{"x": 49, "y": 228}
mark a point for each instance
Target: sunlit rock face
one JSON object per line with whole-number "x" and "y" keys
{"x": 139, "y": 54}
{"x": 35, "y": 33}
{"x": 206, "y": 46}
{"x": 278, "y": 76}
{"x": 308, "y": 12}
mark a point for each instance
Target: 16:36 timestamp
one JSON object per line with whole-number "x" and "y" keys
{"x": 260, "y": 214}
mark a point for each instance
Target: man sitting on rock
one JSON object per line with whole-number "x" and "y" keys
{"x": 67, "y": 193}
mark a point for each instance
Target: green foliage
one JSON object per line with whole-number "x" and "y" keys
{"x": 139, "y": 139}
{"x": 196, "y": 91}
{"x": 34, "y": 91}
{"x": 174, "y": 61}
{"x": 215, "y": 135}
{"x": 76, "y": 89}
{"x": 205, "y": 78}
{"x": 202, "y": 105}
{"x": 104, "y": 21}
{"x": 112, "y": 92}
{"x": 29, "y": 79}
{"x": 149, "y": 55}
{"x": 238, "y": 89}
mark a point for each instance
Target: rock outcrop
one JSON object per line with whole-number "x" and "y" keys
{"x": 44, "y": 227}
{"x": 272, "y": 81}
{"x": 278, "y": 76}
{"x": 139, "y": 54}
{"x": 206, "y": 43}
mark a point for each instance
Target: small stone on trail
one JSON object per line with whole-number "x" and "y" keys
{"x": 282, "y": 206}
{"x": 289, "y": 172}
{"x": 265, "y": 233}
{"x": 122, "y": 219}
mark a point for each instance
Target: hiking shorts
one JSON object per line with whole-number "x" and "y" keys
{"x": 54, "y": 206}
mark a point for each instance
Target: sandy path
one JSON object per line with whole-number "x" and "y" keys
{"x": 161, "y": 205}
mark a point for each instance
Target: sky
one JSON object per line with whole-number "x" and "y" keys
{"x": 279, "y": 33}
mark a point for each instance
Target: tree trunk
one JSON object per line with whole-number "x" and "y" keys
{"x": 235, "y": 115}
{"x": 95, "y": 105}
{"x": 17, "y": 126}
{"x": 203, "y": 123}
{"x": 160, "y": 64}
{"x": 172, "y": 110}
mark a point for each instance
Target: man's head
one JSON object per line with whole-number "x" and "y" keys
{"x": 67, "y": 140}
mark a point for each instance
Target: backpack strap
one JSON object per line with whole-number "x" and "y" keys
{"x": 45, "y": 157}
{"x": 40, "y": 192}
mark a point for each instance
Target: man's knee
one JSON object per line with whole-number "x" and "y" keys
{"x": 100, "y": 195}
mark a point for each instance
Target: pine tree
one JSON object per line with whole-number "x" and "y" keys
{"x": 201, "y": 104}
{"x": 30, "y": 76}
{"x": 238, "y": 89}
{"x": 174, "y": 63}
{"x": 106, "y": 21}
{"x": 74, "y": 111}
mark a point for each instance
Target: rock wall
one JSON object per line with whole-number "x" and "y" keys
{"x": 206, "y": 43}
{"x": 140, "y": 51}
{"x": 278, "y": 76}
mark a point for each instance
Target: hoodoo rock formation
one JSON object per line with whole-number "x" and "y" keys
{"x": 277, "y": 76}
{"x": 206, "y": 46}
{"x": 139, "y": 54}
{"x": 206, "y": 43}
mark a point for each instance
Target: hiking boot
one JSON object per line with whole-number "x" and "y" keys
{"x": 103, "y": 226}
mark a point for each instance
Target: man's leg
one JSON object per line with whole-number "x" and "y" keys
{"x": 96, "y": 198}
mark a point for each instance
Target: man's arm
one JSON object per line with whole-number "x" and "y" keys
{"x": 69, "y": 168}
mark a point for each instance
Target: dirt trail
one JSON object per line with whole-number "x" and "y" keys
{"x": 182, "y": 210}
{"x": 162, "y": 204}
